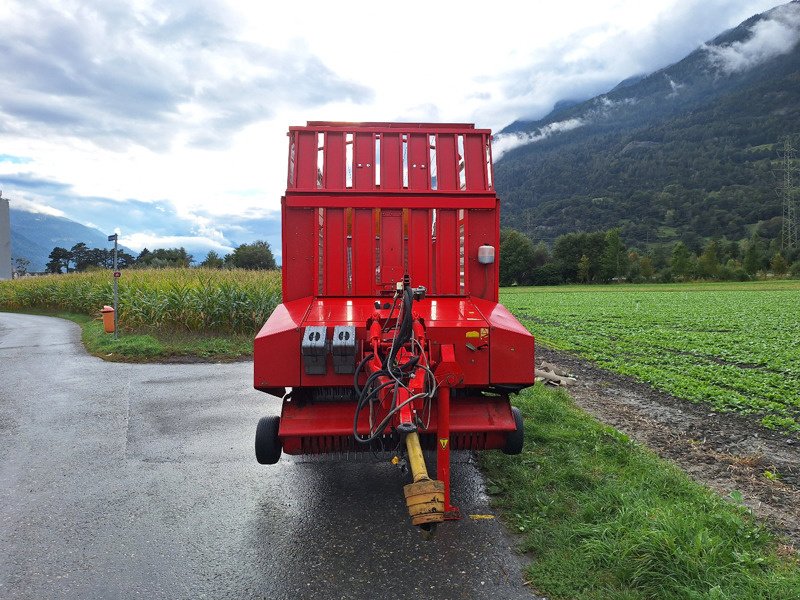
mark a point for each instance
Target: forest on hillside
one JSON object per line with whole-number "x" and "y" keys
{"x": 685, "y": 154}
{"x": 603, "y": 257}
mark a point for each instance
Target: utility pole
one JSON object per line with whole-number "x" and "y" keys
{"x": 116, "y": 286}
{"x": 787, "y": 191}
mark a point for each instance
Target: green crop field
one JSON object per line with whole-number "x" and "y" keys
{"x": 734, "y": 346}
{"x": 177, "y": 300}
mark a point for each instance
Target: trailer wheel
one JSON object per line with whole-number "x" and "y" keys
{"x": 516, "y": 438}
{"x": 268, "y": 444}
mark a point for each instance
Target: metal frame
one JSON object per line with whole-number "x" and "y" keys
{"x": 354, "y": 228}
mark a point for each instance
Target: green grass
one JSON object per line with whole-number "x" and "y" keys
{"x": 155, "y": 346}
{"x": 603, "y": 518}
{"x": 735, "y": 346}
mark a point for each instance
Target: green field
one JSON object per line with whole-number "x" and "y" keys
{"x": 735, "y": 346}
{"x": 166, "y": 300}
{"x": 603, "y": 518}
{"x": 163, "y": 313}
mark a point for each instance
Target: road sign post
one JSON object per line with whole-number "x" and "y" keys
{"x": 116, "y": 285}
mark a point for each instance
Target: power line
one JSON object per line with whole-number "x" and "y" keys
{"x": 787, "y": 191}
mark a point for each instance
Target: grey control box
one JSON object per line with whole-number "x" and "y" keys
{"x": 314, "y": 349}
{"x": 343, "y": 348}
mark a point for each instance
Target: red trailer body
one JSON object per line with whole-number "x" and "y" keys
{"x": 370, "y": 208}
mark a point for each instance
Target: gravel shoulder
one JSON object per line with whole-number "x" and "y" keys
{"x": 725, "y": 451}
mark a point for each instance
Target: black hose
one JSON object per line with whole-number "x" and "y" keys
{"x": 379, "y": 429}
{"x": 391, "y": 312}
{"x": 362, "y": 402}
{"x": 403, "y": 334}
{"x": 405, "y": 330}
{"x": 360, "y": 366}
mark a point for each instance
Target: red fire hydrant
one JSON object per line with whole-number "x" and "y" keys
{"x": 108, "y": 318}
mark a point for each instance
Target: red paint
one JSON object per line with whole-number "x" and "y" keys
{"x": 344, "y": 248}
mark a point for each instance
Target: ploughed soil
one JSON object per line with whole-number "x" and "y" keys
{"x": 725, "y": 451}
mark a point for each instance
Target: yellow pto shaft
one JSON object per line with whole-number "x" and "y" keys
{"x": 424, "y": 497}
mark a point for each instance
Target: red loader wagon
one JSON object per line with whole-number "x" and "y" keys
{"x": 390, "y": 335}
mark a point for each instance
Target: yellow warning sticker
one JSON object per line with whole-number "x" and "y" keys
{"x": 472, "y": 334}
{"x": 443, "y": 443}
{"x": 484, "y": 332}
{"x": 481, "y": 517}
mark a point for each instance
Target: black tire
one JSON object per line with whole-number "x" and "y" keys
{"x": 515, "y": 439}
{"x": 268, "y": 444}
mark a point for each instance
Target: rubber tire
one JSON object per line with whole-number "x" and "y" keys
{"x": 268, "y": 444}
{"x": 516, "y": 438}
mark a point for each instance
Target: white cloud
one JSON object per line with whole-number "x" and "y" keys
{"x": 33, "y": 206}
{"x": 185, "y": 107}
{"x": 777, "y": 34}
{"x": 675, "y": 87}
{"x": 508, "y": 141}
{"x": 139, "y": 240}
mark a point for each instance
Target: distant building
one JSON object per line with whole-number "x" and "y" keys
{"x": 5, "y": 239}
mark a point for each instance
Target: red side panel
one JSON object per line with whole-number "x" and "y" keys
{"x": 419, "y": 247}
{"x": 475, "y": 159}
{"x": 334, "y": 255}
{"x": 392, "y": 269}
{"x": 512, "y": 346}
{"x": 447, "y": 276}
{"x": 276, "y": 349}
{"x": 446, "y": 163}
{"x": 482, "y": 278}
{"x": 306, "y": 165}
{"x": 391, "y": 172}
{"x": 418, "y": 158}
{"x": 334, "y": 165}
{"x": 363, "y": 248}
{"x": 364, "y": 159}
{"x": 299, "y": 270}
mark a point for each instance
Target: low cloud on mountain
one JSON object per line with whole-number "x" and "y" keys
{"x": 778, "y": 33}
{"x": 508, "y": 141}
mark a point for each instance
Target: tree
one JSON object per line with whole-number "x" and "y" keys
{"x": 708, "y": 263}
{"x": 164, "y": 257}
{"x": 143, "y": 257}
{"x": 583, "y": 269}
{"x": 681, "y": 261}
{"x": 646, "y": 268}
{"x": 124, "y": 260}
{"x": 80, "y": 256}
{"x": 569, "y": 248}
{"x": 615, "y": 257}
{"x": 753, "y": 256}
{"x": 21, "y": 266}
{"x": 634, "y": 272}
{"x": 516, "y": 257}
{"x": 59, "y": 259}
{"x": 213, "y": 261}
{"x": 778, "y": 264}
{"x": 541, "y": 255}
{"x": 257, "y": 255}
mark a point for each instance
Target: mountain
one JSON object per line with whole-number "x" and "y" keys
{"x": 34, "y": 235}
{"x": 688, "y": 152}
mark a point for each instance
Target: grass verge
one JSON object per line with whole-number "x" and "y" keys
{"x": 604, "y": 518}
{"x": 156, "y": 345}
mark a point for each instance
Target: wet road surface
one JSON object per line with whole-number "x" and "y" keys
{"x": 139, "y": 481}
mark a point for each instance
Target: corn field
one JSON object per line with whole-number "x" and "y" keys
{"x": 195, "y": 300}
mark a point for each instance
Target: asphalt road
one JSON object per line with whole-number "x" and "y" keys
{"x": 128, "y": 481}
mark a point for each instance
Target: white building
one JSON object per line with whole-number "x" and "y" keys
{"x": 5, "y": 239}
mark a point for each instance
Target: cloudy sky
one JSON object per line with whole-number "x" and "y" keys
{"x": 166, "y": 121}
